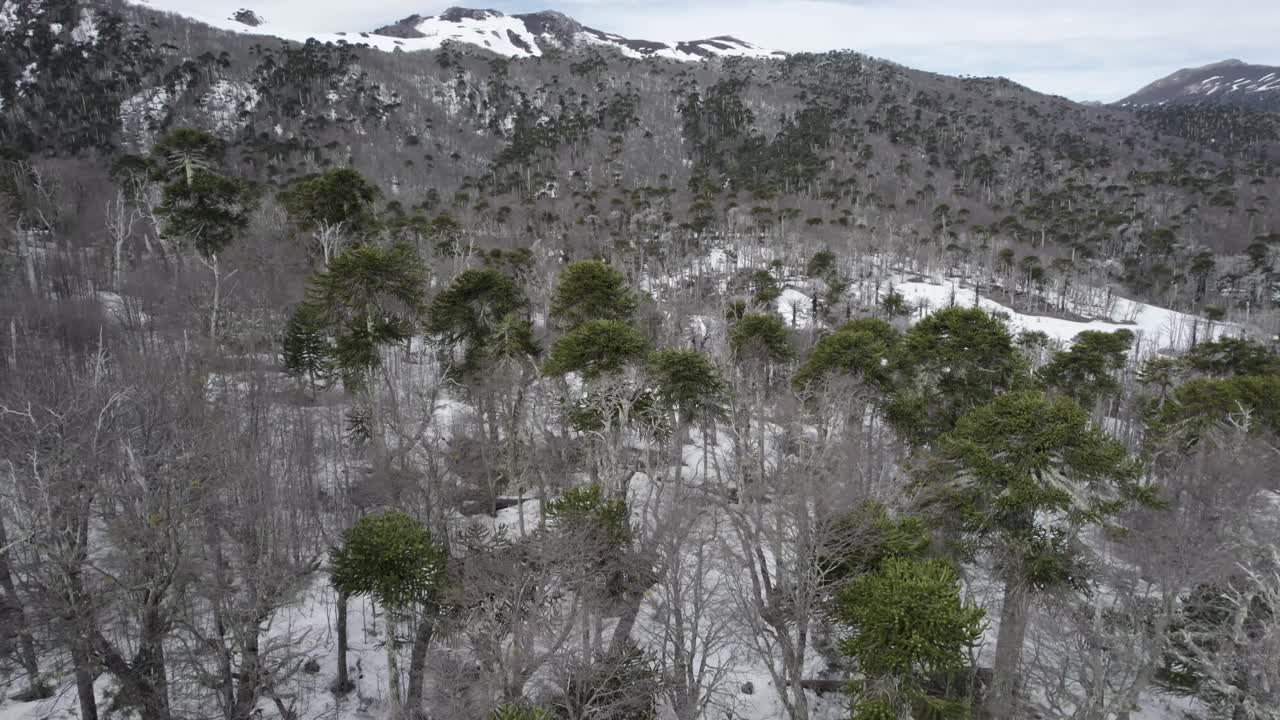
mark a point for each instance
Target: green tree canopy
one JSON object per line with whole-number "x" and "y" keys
{"x": 1085, "y": 372}
{"x": 908, "y": 627}
{"x": 368, "y": 298}
{"x": 596, "y": 348}
{"x": 860, "y": 349}
{"x": 864, "y": 538}
{"x": 338, "y": 197}
{"x": 591, "y": 290}
{"x": 209, "y": 210}
{"x": 391, "y": 558}
{"x": 761, "y": 336}
{"x": 1013, "y": 470}
{"x": 481, "y": 312}
{"x": 1018, "y": 479}
{"x": 198, "y": 203}
{"x": 947, "y": 364}
{"x": 1199, "y": 406}
{"x": 585, "y": 513}
{"x": 688, "y": 383}
{"x": 1232, "y": 356}
{"x": 182, "y": 152}
{"x": 307, "y": 352}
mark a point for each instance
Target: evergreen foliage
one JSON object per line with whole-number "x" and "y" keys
{"x": 859, "y": 349}
{"x": 341, "y": 197}
{"x": 946, "y": 365}
{"x": 391, "y": 558}
{"x": 1231, "y": 356}
{"x": 1085, "y": 372}
{"x": 368, "y": 298}
{"x": 591, "y": 290}
{"x": 1200, "y": 406}
{"x": 481, "y": 312}
{"x": 908, "y": 626}
{"x": 688, "y": 382}
{"x": 595, "y": 348}
{"x": 1020, "y": 476}
{"x": 761, "y": 336}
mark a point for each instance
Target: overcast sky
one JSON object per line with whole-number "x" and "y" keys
{"x": 1085, "y": 50}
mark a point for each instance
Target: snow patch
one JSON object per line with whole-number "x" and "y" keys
{"x": 1156, "y": 328}
{"x": 141, "y": 115}
{"x": 226, "y": 102}
{"x": 86, "y": 30}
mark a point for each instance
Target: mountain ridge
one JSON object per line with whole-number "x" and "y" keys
{"x": 1230, "y": 82}
{"x": 532, "y": 34}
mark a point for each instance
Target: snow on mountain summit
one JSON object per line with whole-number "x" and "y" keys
{"x": 522, "y": 35}
{"x": 1229, "y": 82}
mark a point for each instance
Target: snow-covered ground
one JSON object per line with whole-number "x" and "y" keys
{"x": 1156, "y": 328}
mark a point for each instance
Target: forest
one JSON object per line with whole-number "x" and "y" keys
{"x": 593, "y": 388}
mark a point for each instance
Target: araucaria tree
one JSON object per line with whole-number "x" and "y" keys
{"x": 393, "y": 559}
{"x": 949, "y": 363}
{"x": 689, "y": 385}
{"x": 591, "y": 290}
{"x": 368, "y": 299}
{"x": 334, "y": 206}
{"x": 1019, "y": 480}
{"x": 200, "y": 205}
{"x": 910, "y": 630}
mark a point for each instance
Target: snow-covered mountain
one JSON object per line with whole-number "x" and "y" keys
{"x": 522, "y": 35}
{"x": 1230, "y": 82}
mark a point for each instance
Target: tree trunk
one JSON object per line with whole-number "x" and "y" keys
{"x": 151, "y": 667}
{"x": 1002, "y": 700}
{"x": 393, "y": 668}
{"x": 342, "y": 684}
{"x": 418, "y": 661}
{"x": 84, "y": 683}
{"x": 249, "y": 688}
{"x": 217, "y": 296}
{"x": 26, "y": 644}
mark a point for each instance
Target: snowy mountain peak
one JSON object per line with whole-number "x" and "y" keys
{"x": 1227, "y": 82}
{"x": 458, "y": 14}
{"x": 531, "y": 34}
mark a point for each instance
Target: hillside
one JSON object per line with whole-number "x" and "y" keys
{"x": 493, "y": 367}
{"x": 594, "y": 142}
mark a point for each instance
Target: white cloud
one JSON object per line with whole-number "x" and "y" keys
{"x": 1089, "y": 50}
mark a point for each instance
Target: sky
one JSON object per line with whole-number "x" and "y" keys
{"x": 1088, "y": 50}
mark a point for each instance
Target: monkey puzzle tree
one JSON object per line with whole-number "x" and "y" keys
{"x": 949, "y": 363}
{"x": 688, "y": 385}
{"x": 368, "y": 298}
{"x": 393, "y": 559}
{"x": 480, "y": 312}
{"x": 306, "y": 351}
{"x": 596, "y": 348}
{"x": 859, "y": 349}
{"x": 331, "y": 205}
{"x": 909, "y": 626}
{"x": 199, "y": 205}
{"x": 1084, "y": 372}
{"x": 591, "y": 290}
{"x": 761, "y": 336}
{"x": 1019, "y": 479}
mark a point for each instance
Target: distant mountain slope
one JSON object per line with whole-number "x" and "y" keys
{"x": 1230, "y": 82}
{"x": 525, "y": 35}
{"x": 589, "y": 144}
